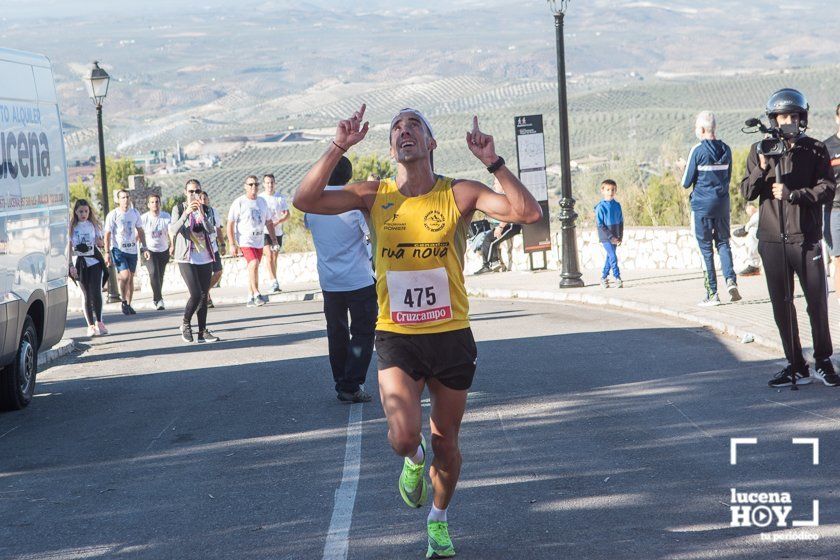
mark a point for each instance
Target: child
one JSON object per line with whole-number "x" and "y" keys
{"x": 610, "y": 223}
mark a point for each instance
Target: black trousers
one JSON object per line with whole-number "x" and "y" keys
{"x": 90, "y": 279}
{"x": 157, "y": 267}
{"x": 807, "y": 262}
{"x": 350, "y": 344}
{"x": 490, "y": 245}
{"x": 197, "y": 279}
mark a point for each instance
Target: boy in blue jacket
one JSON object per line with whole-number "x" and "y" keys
{"x": 610, "y": 224}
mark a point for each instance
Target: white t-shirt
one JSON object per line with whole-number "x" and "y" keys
{"x": 123, "y": 227}
{"x": 342, "y": 251}
{"x": 276, "y": 205}
{"x": 249, "y": 218}
{"x": 87, "y": 233}
{"x": 156, "y": 229}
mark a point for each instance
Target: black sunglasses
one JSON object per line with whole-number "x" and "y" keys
{"x": 197, "y": 191}
{"x": 252, "y": 184}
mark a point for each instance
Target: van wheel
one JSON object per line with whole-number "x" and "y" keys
{"x": 17, "y": 380}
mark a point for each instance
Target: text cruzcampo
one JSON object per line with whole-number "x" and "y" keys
{"x": 24, "y": 154}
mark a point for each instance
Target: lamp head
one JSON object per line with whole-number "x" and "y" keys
{"x": 97, "y": 83}
{"x": 558, "y": 6}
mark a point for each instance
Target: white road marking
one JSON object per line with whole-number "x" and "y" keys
{"x": 345, "y": 497}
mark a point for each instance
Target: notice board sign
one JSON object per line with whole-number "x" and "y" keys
{"x": 530, "y": 153}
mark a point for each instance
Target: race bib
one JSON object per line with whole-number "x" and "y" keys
{"x": 419, "y": 296}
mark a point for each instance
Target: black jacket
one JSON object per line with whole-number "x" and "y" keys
{"x": 809, "y": 183}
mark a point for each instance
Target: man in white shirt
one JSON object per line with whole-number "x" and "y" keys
{"x": 247, "y": 218}
{"x": 280, "y": 213}
{"x": 156, "y": 252}
{"x": 347, "y": 283}
{"x": 123, "y": 229}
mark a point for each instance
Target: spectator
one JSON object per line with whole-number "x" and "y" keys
{"x": 708, "y": 170}
{"x": 156, "y": 252}
{"x": 346, "y": 278}
{"x": 491, "y": 240}
{"x": 610, "y": 222}
{"x": 752, "y": 262}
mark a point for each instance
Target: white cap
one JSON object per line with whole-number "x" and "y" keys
{"x": 417, "y": 114}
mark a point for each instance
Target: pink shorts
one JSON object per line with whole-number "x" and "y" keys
{"x": 251, "y": 254}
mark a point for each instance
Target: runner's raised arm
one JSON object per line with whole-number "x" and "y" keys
{"x": 311, "y": 197}
{"x": 517, "y": 204}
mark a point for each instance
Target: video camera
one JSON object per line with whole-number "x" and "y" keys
{"x": 774, "y": 146}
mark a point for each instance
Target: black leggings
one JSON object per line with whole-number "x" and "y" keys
{"x": 806, "y": 262}
{"x": 197, "y": 279}
{"x": 90, "y": 279}
{"x": 157, "y": 267}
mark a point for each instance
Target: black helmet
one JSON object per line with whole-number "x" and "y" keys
{"x": 787, "y": 101}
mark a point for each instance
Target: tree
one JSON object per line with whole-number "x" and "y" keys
{"x": 372, "y": 164}
{"x": 739, "y": 171}
{"x": 170, "y": 203}
{"x": 118, "y": 172}
{"x": 79, "y": 191}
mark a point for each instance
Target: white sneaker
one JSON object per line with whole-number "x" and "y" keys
{"x": 710, "y": 301}
{"x": 91, "y": 331}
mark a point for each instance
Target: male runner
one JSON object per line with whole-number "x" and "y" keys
{"x": 419, "y": 223}
{"x": 279, "y": 214}
{"x": 123, "y": 228}
{"x": 247, "y": 217}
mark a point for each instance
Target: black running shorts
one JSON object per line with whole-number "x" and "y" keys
{"x": 267, "y": 239}
{"x": 448, "y": 357}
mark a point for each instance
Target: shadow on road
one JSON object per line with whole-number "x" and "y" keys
{"x": 589, "y": 445}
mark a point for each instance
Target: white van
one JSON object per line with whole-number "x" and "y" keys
{"x": 34, "y": 215}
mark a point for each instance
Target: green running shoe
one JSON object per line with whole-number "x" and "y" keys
{"x": 414, "y": 488}
{"x": 440, "y": 545}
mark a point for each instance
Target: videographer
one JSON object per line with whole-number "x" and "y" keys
{"x": 806, "y": 182}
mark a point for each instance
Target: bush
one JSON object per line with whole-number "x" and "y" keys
{"x": 79, "y": 191}
{"x": 296, "y": 238}
{"x": 372, "y": 164}
{"x": 172, "y": 201}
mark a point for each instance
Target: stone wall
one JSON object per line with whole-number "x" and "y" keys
{"x": 645, "y": 248}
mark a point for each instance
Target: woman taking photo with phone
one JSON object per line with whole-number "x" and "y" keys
{"x": 88, "y": 266}
{"x": 194, "y": 255}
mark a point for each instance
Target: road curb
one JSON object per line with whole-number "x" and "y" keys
{"x": 63, "y": 348}
{"x": 629, "y": 305}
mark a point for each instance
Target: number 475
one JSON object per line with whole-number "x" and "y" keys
{"x": 414, "y": 297}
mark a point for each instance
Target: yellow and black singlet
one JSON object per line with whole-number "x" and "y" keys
{"x": 419, "y": 245}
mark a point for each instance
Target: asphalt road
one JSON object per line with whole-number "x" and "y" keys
{"x": 590, "y": 434}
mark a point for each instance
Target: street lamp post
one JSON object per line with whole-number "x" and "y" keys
{"x": 570, "y": 277}
{"x": 97, "y": 85}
